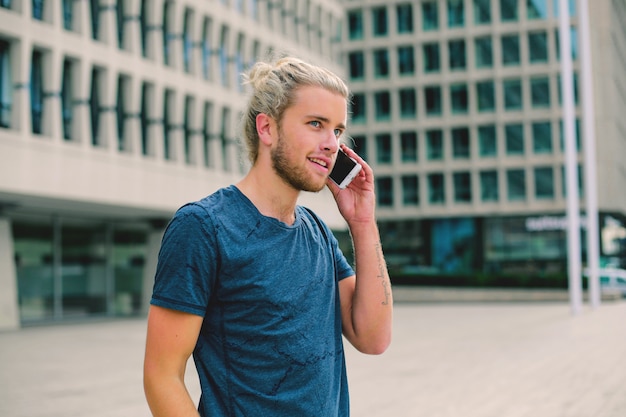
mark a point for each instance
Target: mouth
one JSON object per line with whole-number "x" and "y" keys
{"x": 322, "y": 163}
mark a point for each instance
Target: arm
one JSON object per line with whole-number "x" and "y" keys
{"x": 171, "y": 338}
{"x": 366, "y": 298}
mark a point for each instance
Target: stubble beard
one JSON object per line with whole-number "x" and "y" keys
{"x": 296, "y": 177}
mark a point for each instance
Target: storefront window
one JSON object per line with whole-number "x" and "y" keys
{"x": 33, "y": 246}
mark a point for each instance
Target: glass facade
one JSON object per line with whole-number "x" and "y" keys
{"x": 77, "y": 268}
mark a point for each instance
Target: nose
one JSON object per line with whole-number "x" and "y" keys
{"x": 330, "y": 142}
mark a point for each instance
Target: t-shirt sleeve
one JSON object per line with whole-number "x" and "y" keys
{"x": 187, "y": 262}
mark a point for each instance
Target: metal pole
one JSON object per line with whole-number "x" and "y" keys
{"x": 571, "y": 163}
{"x": 591, "y": 195}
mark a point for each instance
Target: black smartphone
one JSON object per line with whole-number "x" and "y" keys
{"x": 345, "y": 170}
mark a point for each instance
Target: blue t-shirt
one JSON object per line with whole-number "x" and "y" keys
{"x": 270, "y": 343}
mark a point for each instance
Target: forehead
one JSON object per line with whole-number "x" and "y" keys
{"x": 314, "y": 100}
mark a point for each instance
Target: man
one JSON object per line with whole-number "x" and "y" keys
{"x": 255, "y": 286}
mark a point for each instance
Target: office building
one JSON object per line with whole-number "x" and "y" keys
{"x": 114, "y": 113}
{"x": 458, "y": 110}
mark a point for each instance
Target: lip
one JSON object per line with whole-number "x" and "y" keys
{"x": 327, "y": 161}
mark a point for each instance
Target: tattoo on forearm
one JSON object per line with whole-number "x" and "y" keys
{"x": 382, "y": 274}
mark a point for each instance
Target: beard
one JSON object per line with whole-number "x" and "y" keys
{"x": 296, "y": 176}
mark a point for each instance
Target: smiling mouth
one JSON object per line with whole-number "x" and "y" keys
{"x": 318, "y": 162}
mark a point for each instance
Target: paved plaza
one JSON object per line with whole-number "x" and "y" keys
{"x": 446, "y": 360}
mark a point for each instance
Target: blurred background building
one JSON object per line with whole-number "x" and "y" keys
{"x": 458, "y": 109}
{"x": 113, "y": 113}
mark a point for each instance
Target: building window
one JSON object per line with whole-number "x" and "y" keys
{"x": 489, "y": 186}
{"x": 37, "y": 92}
{"x": 6, "y": 4}
{"x": 95, "y": 19}
{"x": 207, "y": 49}
{"x": 508, "y": 10}
{"x": 458, "y": 98}
{"x": 456, "y": 51}
{"x": 146, "y": 114}
{"x": 406, "y": 60}
{"x": 542, "y": 137}
{"x": 355, "y": 24}
{"x": 456, "y": 13}
{"x": 356, "y": 63}
{"x": 67, "y": 100}
{"x": 187, "y": 41}
{"x": 408, "y": 106}
{"x": 360, "y": 146}
{"x": 379, "y": 21}
{"x": 144, "y": 26}
{"x": 168, "y": 35}
{"x": 382, "y": 103}
{"x": 384, "y": 188}
{"x": 6, "y": 84}
{"x": 188, "y": 131}
{"x": 357, "y": 108}
{"x": 224, "y": 61}
{"x": 516, "y": 184}
{"x": 540, "y": 92}
{"x": 482, "y": 12}
{"x": 410, "y": 190}
{"x": 120, "y": 17}
{"x": 123, "y": 86}
{"x": 430, "y": 15}
{"x": 436, "y": 189}
{"x": 434, "y": 145}
{"x": 460, "y": 143}
{"x": 510, "y": 50}
{"x": 483, "y": 52}
{"x": 168, "y": 125}
{"x": 68, "y": 14}
{"x": 239, "y": 62}
{"x": 536, "y": 9}
{"x": 538, "y": 47}
{"x": 486, "y": 96}
{"x": 432, "y": 100}
{"x": 38, "y": 9}
{"x": 408, "y": 143}
{"x": 381, "y": 63}
{"x": 487, "y": 140}
{"x": 95, "y": 106}
{"x": 512, "y": 94}
{"x": 431, "y": 57}
{"x": 514, "y": 135}
{"x": 207, "y": 135}
{"x": 462, "y": 187}
{"x": 404, "y": 15}
{"x": 544, "y": 183}
{"x": 383, "y": 148}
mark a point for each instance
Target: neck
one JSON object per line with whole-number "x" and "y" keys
{"x": 270, "y": 194}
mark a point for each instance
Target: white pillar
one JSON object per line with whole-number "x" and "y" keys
{"x": 571, "y": 161}
{"x": 9, "y": 309}
{"x": 589, "y": 146}
{"x": 153, "y": 245}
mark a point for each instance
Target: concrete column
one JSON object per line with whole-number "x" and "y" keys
{"x": 9, "y": 310}
{"x": 153, "y": 245}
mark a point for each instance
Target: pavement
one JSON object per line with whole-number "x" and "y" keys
{"x": 518, "y": 359}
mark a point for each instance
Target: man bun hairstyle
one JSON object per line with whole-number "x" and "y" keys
{"x": 273, "y": 87}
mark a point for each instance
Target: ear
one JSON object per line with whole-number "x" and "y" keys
{"x": 265, "y": 127}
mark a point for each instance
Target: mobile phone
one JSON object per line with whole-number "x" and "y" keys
{"x": 345, "y": 170}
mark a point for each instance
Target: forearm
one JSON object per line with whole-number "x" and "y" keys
{"x": 168, "y": 397}
{"x": 372, "y": 301}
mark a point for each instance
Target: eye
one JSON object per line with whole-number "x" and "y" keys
{"x": 338, "y": 132}
{"x": 315, "y": 123}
